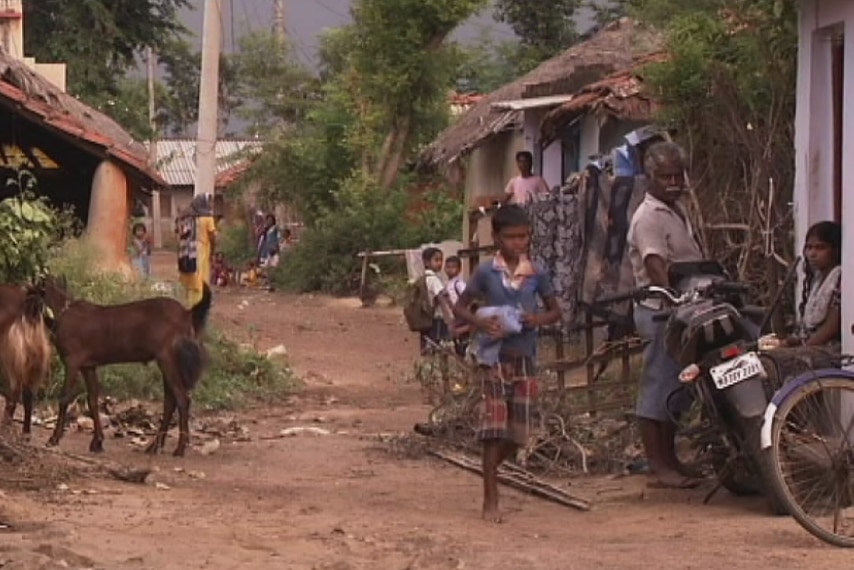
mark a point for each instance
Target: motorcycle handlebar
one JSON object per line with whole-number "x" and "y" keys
{"x": 649, "y": 292}
{"x": 673, "y": 297}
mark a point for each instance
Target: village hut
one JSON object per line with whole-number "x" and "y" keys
{"x": 79, "y": 156}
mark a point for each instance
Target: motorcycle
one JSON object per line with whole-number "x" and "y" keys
{"x": 713, "y": 335}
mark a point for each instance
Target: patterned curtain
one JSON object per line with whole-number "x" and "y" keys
{"x": 579, "y": 237}
{"x": 557, "y": 245}
{"x": 609, "y": 204}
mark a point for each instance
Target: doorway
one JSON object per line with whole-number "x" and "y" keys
{"x": 837, "y": 62}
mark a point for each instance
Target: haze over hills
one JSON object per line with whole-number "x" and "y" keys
{"x": 307, "y": 19}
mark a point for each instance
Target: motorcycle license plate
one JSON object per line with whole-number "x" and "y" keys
{"x": 737, "y": 370}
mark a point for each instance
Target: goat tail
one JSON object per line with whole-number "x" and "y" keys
{"x": 25, "y": 352}
{"x": 199, "y": 312}
{"x": 191, "y": 358}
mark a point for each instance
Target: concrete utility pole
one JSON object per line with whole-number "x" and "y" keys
{"x": 156, "y": 222}
{"x": 279, "y": 28}
{"x": 208, "y": 100}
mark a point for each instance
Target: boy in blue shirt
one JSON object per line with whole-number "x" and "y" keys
{"x": 509, "y": 388}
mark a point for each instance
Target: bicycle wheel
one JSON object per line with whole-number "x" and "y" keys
{"x": 812, "y": 456}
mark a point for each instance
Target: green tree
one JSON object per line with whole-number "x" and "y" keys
{"x": 98, "y": 39}
{"x": 384, "y": 86}
{"x": 129, "y": 106}
{"x": 545, "y": 27}
{"x": 728, "y": 89}
{"x": 273, "y": 88}
{"x": 486, "y": 65}
{"x": 399, "y": 72}
{"x": 178, "y": 106}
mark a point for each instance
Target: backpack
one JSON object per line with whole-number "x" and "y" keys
{"x": 417, "y": 309}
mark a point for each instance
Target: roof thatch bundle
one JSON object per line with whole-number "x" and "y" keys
{"x": 614, "y": 47}
{"x": 619, "y": 96}
{"x": 24, "y": 91}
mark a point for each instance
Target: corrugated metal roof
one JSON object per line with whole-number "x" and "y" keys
{"x": 176, "y": 158}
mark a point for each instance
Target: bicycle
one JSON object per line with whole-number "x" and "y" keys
{"x": 808, "y": 433}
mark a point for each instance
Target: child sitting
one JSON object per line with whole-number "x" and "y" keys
{"x": 221, "y": 273}
{"x": 820, "y": 319}
{"x": 249, "y": 278}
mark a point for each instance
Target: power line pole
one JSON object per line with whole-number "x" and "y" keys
{"x": 208, "y": 100}
{"x": 156, "y": 223}
{"x": 279, "y": 20}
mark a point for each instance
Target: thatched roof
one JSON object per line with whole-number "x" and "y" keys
{"x": 620, "y": 96}
{"x": 25, "y": 92}
{"x": 614, "y": 47}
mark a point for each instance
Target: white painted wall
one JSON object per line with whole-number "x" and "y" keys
{"x": 813, "y": 192}
{"x": 553, "y": 164}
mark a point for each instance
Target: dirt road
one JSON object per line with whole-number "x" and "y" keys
{"x": 341, "y": 501}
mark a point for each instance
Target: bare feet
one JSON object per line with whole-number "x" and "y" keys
{"x": 671, "y": 480}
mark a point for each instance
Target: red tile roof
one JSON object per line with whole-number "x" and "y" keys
{"x": 24, "y": 91}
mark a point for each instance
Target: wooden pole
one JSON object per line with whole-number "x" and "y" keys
{"x": 208, "y": 100}
{"x": 156, "y": 222}
{"x": 279, "y": 27}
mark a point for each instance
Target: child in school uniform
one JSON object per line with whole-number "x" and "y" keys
{"x": 433, "y": 259}
{"x": 455, "y": 287}
{"x": 510, "y": 286}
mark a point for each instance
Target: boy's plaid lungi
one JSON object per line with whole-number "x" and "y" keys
{"x": 509, "y": 393}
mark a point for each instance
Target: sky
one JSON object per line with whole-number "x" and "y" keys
{"x": 307, "y": 19}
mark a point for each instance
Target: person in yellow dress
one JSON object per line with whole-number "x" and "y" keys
{"x": 196, "y": 231}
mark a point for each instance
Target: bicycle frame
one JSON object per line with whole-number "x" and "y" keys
{"x": 787, "y": 390}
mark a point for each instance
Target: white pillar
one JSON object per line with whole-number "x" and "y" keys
{"x": 208, "y": 99}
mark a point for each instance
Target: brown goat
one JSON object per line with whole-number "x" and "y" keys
{"x": 160, "y": 329}
{"x": 25, "y": 349}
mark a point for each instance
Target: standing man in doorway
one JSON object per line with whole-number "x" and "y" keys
{"x": 522, "y": 188}
{"x": 660, "y": 234}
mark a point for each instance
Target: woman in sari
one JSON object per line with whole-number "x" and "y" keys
{"x": 196, "y": 231}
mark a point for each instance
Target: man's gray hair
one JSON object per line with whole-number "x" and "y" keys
{"x": 663, "y": 152}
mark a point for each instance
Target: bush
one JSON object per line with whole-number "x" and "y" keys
{"x": 235, "y": 245}
{"x": 365, "y": 218}
{"x": 235, "y": 377}
{"x": 29, "y": 228}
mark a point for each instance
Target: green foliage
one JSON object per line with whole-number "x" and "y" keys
{"x": 365, "y": 218}
{"x": 98, "y": 39}
{"x": 399, "y": 70}
{"x": 237, "y": 375}
{"x": 29, "y": 228}
{"x": 385, "y": 81}
{"x": 729, "y": 91}
{"x": 129, "y": 106}
{"x": 177, "y": 98}
{"x": 486, "y": 65}
{"x": 273, "y": 87}
{"x": 545, "y": 27}
{"x": 234, "y": 243}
